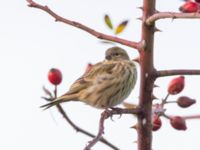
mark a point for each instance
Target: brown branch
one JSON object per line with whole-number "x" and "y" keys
{"x": 172, "y": 15}
{"x": 104, "y": 116}
{"x": 78, "y": 129}
{"x": 164, "y": 73}
{"x": 136, "y": 45}
{"x": 192, "y": 117}
{"x": 144, "y": 125}
{"x": 184, "y": 117}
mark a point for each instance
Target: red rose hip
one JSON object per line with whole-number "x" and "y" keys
{"x": 189, "y": 7}
{"x": 198, "y": 1}
{"x": 55, "y": 76}
{"x": 178, "y": 123}
{"x": 176, "y": 85}
{"x": 185, "y": 101}
{"x": 156, "y": 123}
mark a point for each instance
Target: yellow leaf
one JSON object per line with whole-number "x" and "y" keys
{"x": 108, "y": 21}
{"x": 121, "y": 27}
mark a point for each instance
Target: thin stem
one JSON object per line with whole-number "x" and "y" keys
{"x": 169, "y": 102}
{"x": 184, "y": 117}
{"x": 166, "y": 116}
{"x": 78, "y": 129}
{"x": 192, "y": 117}
{"x": 164, "y": 73}
{"x": 164, "y": 101}
{"x": 91, "y": 31}
{"x": 173, "y": 15}
{"x": 55, "y": 91}
{"x": 104, "y": 116}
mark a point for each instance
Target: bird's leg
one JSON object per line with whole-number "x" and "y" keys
{"x": 118, "y": 110}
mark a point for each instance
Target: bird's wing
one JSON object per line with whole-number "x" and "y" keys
{"x": 102, "y": 68}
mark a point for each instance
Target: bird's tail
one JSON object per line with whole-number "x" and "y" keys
{"x": 61, "y": 99}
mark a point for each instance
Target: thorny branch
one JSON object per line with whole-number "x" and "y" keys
{"x": 77, "y": 128}
{"x": 164, "y": 73}
{"x": 136, "y": 45}
{"x": 172, "y": 15}
{"x": 104, "y": 116}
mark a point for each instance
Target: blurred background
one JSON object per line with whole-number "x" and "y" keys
{"x": 32, "y": 43}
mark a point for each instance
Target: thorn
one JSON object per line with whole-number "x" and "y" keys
{"x": 153, "y": 97}
{"x": 157, "y": 30}
{"x": 135, "y": 142}
{"x": 141, "y": 8}
{"x": 155, "y": 86}
{"x": 156, "y": 11}
{"x": 134, "y": 127}
{"x": 173, "y": 18}
{"x": 143, "y": 44}
{"x": 140, "y": 18}
{"x": 46, "y": 7}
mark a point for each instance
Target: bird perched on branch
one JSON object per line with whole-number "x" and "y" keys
{"x": 106, "y": 84}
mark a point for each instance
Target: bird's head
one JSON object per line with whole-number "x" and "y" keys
{"x": 116, "y": 53}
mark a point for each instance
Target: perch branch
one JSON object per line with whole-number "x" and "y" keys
{"x": 78, "y": 129}
{"x": 104, "y": 116}
{"x": 172, "y": 15}
{"x": 136, "y": 45}
{"x": 163, "y": 73}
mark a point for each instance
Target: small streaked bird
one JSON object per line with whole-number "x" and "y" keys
{"x": 106, "y": 84}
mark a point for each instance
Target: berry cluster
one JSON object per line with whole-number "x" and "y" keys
{"x": 190, "y": 6}
{"x": 176, "y": 85}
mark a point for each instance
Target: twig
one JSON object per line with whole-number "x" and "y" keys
{"x": 104, "y": 116}
{"x": 164, "y": 101}
{"x": 164, "y": 73}
{"x": 136, "y": 45}
{"x": 75, "y": 127}
{"x": 184, "y": 117}
{"x": 172, "y": 15}
{"x": 78, "y": 129}
{"x": 192, "y": 117}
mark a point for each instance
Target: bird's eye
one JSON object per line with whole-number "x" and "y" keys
{"x": 116, "y": 54}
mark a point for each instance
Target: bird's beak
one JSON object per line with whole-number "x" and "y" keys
{"x": 108, "y": 57}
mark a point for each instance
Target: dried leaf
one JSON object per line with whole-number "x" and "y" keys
{"x": 129, "y": 105}
{"x": 108, "y": 21}
{"x": 121, "y": 27}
